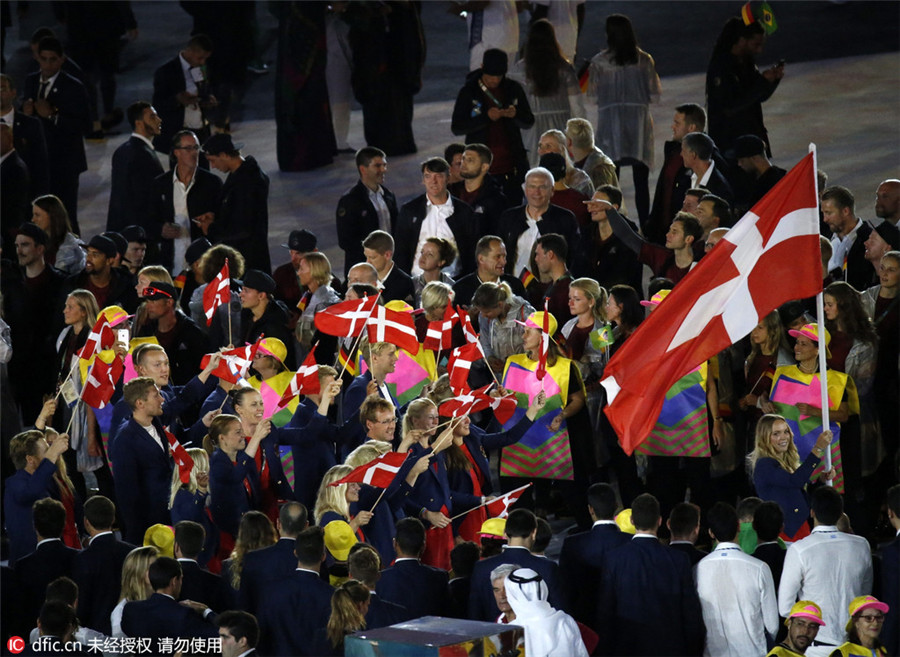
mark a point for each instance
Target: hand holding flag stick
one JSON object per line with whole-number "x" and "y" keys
{"x": 498, "y": 507}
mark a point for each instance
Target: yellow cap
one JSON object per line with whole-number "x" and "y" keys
{"x": 623, "y": 520}
{"x": 115, "y": 315}
{"x": 273, "y": 347}
{"x": 162, "y": 537}
{"x": 493, "y": 528}
{"x": 806, "y": 609}
{"x": 339, "y": 538}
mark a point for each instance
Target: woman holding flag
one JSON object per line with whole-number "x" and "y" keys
{"x": 272, "y": 378}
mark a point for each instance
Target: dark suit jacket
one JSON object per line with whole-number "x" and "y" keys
{"x": 719, "y": 185}
{"x": 263, "y": 566}
{"x": 22, "y": 491}
{"x": 488, "y": 204}
{"x": 356, "y": 217}
{"x": 383, "y": 613}
{"x": 648, "y": 600}
{"x": 555, "y": 220}
{"x": 134, "y": 167}
{"x": 483, "y": 607}
{"x": 33, "y": 572}
{"x": 160, "y": 616}
{"x": 202, "y": 197}
{"x": 291, "y": 612}
{"x": 143, "y": 478}
{"x": 243, "y": 218}
{"x": 202, "y": 586}
{"x": 228, "y": 497}
{"x": 97, "y": 570}
{"x": 398, "y": 285}
{"x": 465, "y": 287}
{"x": 168, "y": 82}
{"x": 860, "y": 273}
{"x": 773, "y": 554}
{"x": 15, "y": 201}
{"x": 31, "y": 145}
{"x": 890, "y": 593}
{"x": 189, "y": 343}
{"x": 414, "y": 585}
{"x": 463, "y": 223}
{"x": 121, "y": 289}
{"x": 458, "y": 597}
{"x": 65, "y": 132}
{"x": 579, "y": 568}
{"x": 693, "y": 554}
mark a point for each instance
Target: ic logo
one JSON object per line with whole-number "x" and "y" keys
{"x": 16, "y": 644}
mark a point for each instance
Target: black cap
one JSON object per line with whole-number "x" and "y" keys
{"x": 103, "y": 244}
{"x": 889, "y": 233}
{"x": 494, "y": 62}
{"x": 791, "y": 312}
{"x": 302, "y": 240}
{"x": 196, "y": 250}
{"x": 33, "y": 231}
{"x": 748, "y": 146}
{"x": 160, "y": 290}
{"x": 134, "y": 234}
{"x": 555, "y": 164}
{"x": 119, "y": 240}
{"x": 259, "y": 281}
{"x": 220, "y": 143}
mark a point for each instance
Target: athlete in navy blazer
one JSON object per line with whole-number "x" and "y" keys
{"x": 23, "y": 489}
{"x": 161, "y": 616}
{"x": 383, "y": 613}
{"x": 229, "y": 500}
{"x": 318, "y": 457}
{"x": 51, "y": 559}
{"x": 134, "y": 167}
{"x": 261, "y": 567}
{"x": 201, "y": 585}
{"x": 409, "y": 583}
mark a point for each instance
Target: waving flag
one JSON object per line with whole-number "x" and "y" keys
{"x": 467, "y": 403}
{"x": 100, "y": 384}
{"x": 394, "y": 326}
{"x": 460, "y": 363}
{"x": 182, "y": 459}
{"x": 101, "y": 337}
{"x": 440, "y": 333}
{"x": 305, "y": 381}
{"x": 217, "y": 292}
{"x": 235, "y": 362}
{"x": 379, "y": 472}
{"x": 499, "y": 508}
{"x": 347, "y": 318}
{"x": 466, "y": 323}
{"x": 504, "y": 407}
{"x": 771, "y": 256}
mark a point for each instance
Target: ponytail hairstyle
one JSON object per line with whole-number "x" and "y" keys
{"x": 596, "y": 293}
{"x": 346, "y": 613}
{"x": 217, "y": 427}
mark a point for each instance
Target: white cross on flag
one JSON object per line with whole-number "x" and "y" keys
{"x": 770, "y": 257}
{"x": 101, "y": 382}
{"x": 235, "y": 362}
{"x": 459, "y": 364}
{"x": 347, "y": 318}
{"x": 466, "y": 322}
{"x": 305, "y": 381}
{"x": 217, "y": 292}
{"x": 393, "y": 326}
{"x": 440, "y": 333}
{"x": 499, "y": 508}
{"x": 379, "y": 472}
{"x": 467, "y": 403}
{"x": 101, "y": 337}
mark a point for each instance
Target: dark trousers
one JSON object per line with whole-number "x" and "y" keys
{"x": 641, "y": 176}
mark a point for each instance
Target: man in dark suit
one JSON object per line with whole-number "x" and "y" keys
{"x": 582, "y": 554}
{"x": 849, "y": 234}
{"x": 521, "y": 528}
{"x": 28, "y": 139}
{"x": 396, "y": 284}
{"x": 51, "y": 559}
{"x": 294, "y": 608}
{"x": 239, "y": 632}
{"x": 62, "y": 104}
{"x": 490, "y": 259}
{"x": 134, "y": 166}
{"x": 184, "y": 197}
{"x": 197, "y": 584}
{"x": 697, "y": 153}
{"x": 181, "y": 93}
{"x": 768, "y": 521}
{"x": 98, "y": 568}
{"x": 410, "y": 583}
{"x": 364, "y": 565}
{"x": 143, "y": 466}
{"x": 435, "y": 214}
{"x": 160, "y": 615}
{"x": 684, "y": 529}
{"x": 890, "y": 577}
{"x": 15, "y": 203}
{"x": 648, "y": 601}
{"x": 366, "y": 206}
{"x": 521, "y": 226}
{"x": 262, "y": 567}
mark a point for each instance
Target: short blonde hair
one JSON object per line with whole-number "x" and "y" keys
{"x": 381, "y": 348}
{"x": 581, "y": 132}
{"x": 368, "y": 451}
{"x": 436, "y": 295}
{"x": 201, "y": 464}
{"x": 156, "y": 274}
{"x": 319, "y": 267}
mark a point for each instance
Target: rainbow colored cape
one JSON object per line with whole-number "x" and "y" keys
{"x": 682, "y": 428}
{"x": 271, "y": 391}
{"x": 411, "y": 373}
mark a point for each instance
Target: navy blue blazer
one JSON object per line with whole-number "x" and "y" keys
{"x": 97, "y": 570}
{"x": 22, "y": 491}
{"x": 160, "y": 616}
{"x": 131, "y": 201}
{"x": 64, "y": 132}
{"x": 192, "y": 506}
{"x": 142, "y": 472}
{"x": 463, "y": 223}
{"x": 31, "y": 145}
{"x": 648, "y": 600}
{"x": 383, "y": 613}
{"x": 318, "y": 456}
{"x": 50, "y": 560}
{"x": 693, "y": 554}
{"x": 354, "y": 433}
{"x": 201, "y": 586}
{"x": 432, "y": 488}
{"x": 774, "y": 483}
{"x": 555, "y": 220}
{"x": 382, "y": 528}
{"x": 483, "y": 607}
{"x": 228, "y": 497}
{"x": 263, "y": 566}
{"x": 414, "y": 585}
{"x": 291, "y": 612}
{"x": 579, "y": 568}
{"x": 356, "y": 217}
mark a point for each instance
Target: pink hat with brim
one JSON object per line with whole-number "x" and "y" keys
{"x": 811, "y": 331}
{"x": 657, "y": 298}
{"x": 808, "y": 610}
{"x": 863, "y": 602}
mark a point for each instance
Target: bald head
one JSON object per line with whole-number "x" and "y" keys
{"x": 362, "y": 273}
{"x": 887, "y": 200}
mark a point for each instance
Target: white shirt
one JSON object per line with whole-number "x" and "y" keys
{"x": 525, "y": 242}
{"x": 49, "y": 82}
{"x": 9, "y": 119}
{"x": 840, "y": 247}
{"x": 6, "y": 155}
{"x": 193, "y": 117}
{"x": 143, "y": 139}
{"x": 705, "y": 179}
{"x": 154, "y": 433}
{"x": 182, "y": 218}
{"x": 435, "y": 225}
{"x": 830, "y": 568}
{"x": 737, "y": 595}
{"x": 384, "y": 215}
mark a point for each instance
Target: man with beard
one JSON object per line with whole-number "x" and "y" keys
{"x": 803, "y": 625}
{"x": 111, "y": 286}
{"x": 478, "y": 189}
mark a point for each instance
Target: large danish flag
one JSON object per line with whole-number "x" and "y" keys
{"x": 347, "y": 318}
{"x": 439, "y": 334}
{"x": 379, "y": 472}
{"x": 394, "y": 326}
{"x": 100, "y": 384}
{"x": 101, "y": 337}
{"x": 460, "y": 363}
{"x": 771, "y": 256}
{"x": 216, "y": 293}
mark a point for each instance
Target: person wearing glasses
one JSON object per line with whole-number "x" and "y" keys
{"x": 864, "y": 628}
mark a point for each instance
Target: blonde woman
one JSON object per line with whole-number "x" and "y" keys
{"x": 587, "y": 304}
{"x": 349, "y": 606}
{"x": 333, "y": 502}
{"x": 189, "y": 502}
{"x": 255, "y": 532}
{"x": 135, "y": 583}
{"x": 778, "y": 474}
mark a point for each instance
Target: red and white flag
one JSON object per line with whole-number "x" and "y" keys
{"x": 393, "y": 326}
{"x": 771, "y": 256}
{"x": 305, "y": 380}
{"x": 347, "y": 318}
{"x": 467, "y": 403}
{"x": 504, "y": 407}
{"x": 217, "y": 292}
{"x": 499, "y": 508}
{"x": 465, "y": 322}
{"x": 101, "y": 381}
{"x": 234, "y": 363}
{"x": 460, "y": 363}
{"x": 101, "y": 337}
{"x": 440, "y": 333}
{"x": 182, "y": 459}
{"x": 541, "y": 370}
{"x": 379, "y": 472}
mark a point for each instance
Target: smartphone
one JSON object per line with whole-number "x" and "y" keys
{"x": 122, "y": 336}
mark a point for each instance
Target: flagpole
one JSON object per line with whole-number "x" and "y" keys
{"x": 68, "y": 376}
{"x": 358, "y": 338}
{"x": 460, "y": 515}
{"x": 72, "y": 419}
{"x": 383, "y": 491}
{"x": 823, "y": 376}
